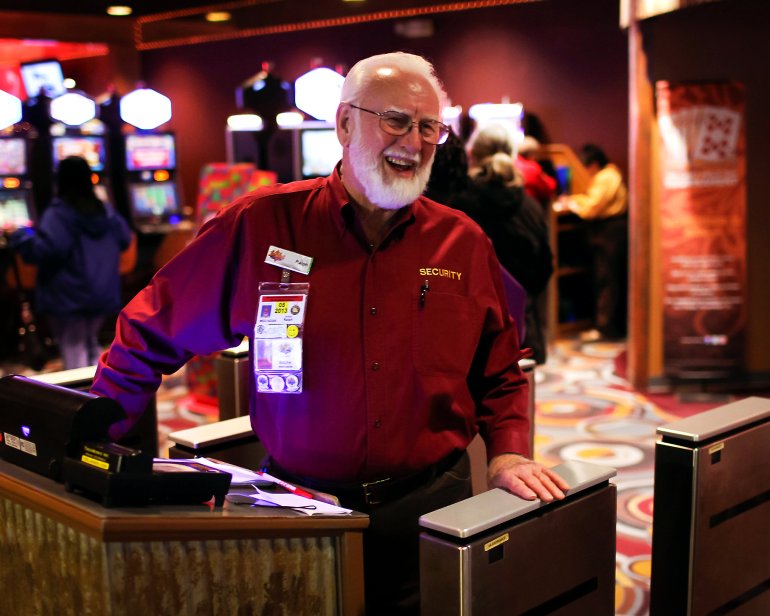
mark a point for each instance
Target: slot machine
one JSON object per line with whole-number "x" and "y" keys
{"x": 151, "y": 184}
{"x": 17, "y": 207}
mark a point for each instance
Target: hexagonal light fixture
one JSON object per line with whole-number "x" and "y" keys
{"x": 73, "y": 109}
{"x": 145, "y": 108}
{"x": 10, "y": 109}
{"x": 317, "y": 93}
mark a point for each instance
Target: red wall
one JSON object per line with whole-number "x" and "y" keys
{"x": 564, "y": 60}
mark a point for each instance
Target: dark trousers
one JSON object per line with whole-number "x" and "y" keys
{"x": 391, "y": 542}
{"x": 609, "y": 242}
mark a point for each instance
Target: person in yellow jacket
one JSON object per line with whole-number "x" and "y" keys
{"x": 605, "y": 205}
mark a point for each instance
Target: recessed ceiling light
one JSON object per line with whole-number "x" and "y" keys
{"x": 218, "y": 16}
{"x": 119, "y": 10}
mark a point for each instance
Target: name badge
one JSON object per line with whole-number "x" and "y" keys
{"x": 280, "y": 257}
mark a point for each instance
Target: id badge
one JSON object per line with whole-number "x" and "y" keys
{"x": 278, "y": 332}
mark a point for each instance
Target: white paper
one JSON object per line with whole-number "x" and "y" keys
{"x": 293, "y": 500}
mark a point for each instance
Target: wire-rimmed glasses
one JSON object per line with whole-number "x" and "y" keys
{"x": 399, "y": 124}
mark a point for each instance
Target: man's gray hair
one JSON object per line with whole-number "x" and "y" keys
{"x": 363, "y": 72}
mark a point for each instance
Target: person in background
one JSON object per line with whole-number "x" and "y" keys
{"x": 494, "y": 197}
{"x": 407, "y": 350}
{"x": 605, "y": 206}
{"x": 537, "y": 183}
{"x": 76, "y": 248}
{"x": 450, "y": 184}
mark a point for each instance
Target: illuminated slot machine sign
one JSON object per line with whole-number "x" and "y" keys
{"x": 153, "y": 193}
{"x": 15, "y": 201}
{"x": 89, "y": 147}
{"x": 150, "y": 152}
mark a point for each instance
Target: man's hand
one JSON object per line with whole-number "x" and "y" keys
{"x": 525, "y": 478}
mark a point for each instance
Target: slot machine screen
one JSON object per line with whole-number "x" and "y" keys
{"x": 90, "y": 147}
{"x": 150, "y": 152}
{"x": 155, "y": 200}
{"x": 15, "y": 210}
{"x": 43, "y": 74}
{"x": 13, "y": 156}
{"x": 320, "y": 151}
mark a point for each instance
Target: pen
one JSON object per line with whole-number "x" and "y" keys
{"x": 285, "y": 485}
{"x": 424, "y": 291}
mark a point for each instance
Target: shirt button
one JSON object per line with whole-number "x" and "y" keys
{"x": 375, "y": 366}
{"x": 373, "y": 310}
{"x": 377, "y": 423}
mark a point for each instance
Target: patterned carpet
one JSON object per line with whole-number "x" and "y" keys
{"x": 585, "y": 411}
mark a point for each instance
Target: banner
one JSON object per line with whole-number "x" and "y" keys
{"x": 703, "y": 227}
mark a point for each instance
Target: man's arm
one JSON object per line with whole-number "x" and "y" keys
{"x": 183, "y": 312}
{"x": 502, "y": 394}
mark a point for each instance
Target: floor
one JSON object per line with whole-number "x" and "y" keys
{"x": 584, "y": 410}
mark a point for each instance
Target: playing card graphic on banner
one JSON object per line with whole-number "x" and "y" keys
{"x": 703, "y": 226}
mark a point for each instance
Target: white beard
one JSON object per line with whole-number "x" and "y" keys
{"x": 388, "y": 194}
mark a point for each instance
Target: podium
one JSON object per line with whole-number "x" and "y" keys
{"x": 496, "y": 553}
{"x": 66, "y": 555}
{"x": 711, "y": 528}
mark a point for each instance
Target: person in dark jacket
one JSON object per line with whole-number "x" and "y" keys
{"x": 492, "y": 194}
{"x": 77, "y": 248}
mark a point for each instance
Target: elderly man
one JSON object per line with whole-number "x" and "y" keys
{"x": 406, "y": 346}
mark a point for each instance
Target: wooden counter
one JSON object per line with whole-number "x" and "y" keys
{"x": 65, "y": 554}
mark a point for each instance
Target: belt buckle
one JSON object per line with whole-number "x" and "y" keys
{"x": 369, "y": 496}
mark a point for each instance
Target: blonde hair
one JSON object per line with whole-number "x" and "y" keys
{"x": 497, "y": 168}
{"x": 489, "y": 140}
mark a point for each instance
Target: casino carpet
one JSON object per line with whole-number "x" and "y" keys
{"x": 586, "y": 411}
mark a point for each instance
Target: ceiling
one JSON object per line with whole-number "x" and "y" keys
{"x": 98, "y": 7}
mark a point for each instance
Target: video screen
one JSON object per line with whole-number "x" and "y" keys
{"x": 90, "y": 147}
{"x": 150, "y": 152}
{"x": 44, "y": 74}
{"x": 14, "y": 210}
{"x": 157, "y": 199}
{"x": 13, "y": 156}
{"x": 320, "y": 151}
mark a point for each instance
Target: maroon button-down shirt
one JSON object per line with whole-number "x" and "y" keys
{"x": 392, "y": 383}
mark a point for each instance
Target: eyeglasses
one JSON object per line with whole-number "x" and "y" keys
{"x": 399, "y": 124}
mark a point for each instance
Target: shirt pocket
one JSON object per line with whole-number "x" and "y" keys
{"x": 445, "y": 334}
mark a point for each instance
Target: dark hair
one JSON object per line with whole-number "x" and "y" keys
{"x": 75, "y": 186}
{"x": 591, "y": 153}
{"x": 449, "y": 174}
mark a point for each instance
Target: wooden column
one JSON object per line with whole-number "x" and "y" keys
{"x": 640, "y": 131}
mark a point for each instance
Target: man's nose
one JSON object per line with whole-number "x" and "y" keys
{"x": 412, "y": 137}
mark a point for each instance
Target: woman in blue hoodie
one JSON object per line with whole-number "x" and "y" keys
{"x": 77, "y": 248}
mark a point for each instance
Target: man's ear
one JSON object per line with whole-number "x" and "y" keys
{"x": 343, "y": 125}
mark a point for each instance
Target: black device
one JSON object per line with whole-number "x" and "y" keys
{"x": 117, "y": 475}
{"x": 42, "y": 424}
{"x": 63, "y": 433}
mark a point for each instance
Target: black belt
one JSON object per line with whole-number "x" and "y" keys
{"x": 375, "y": 492}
